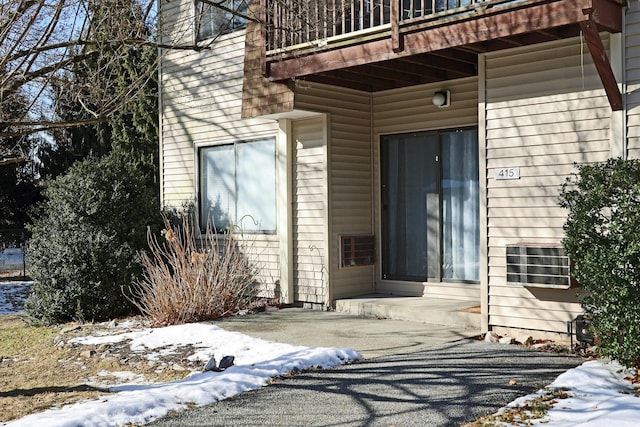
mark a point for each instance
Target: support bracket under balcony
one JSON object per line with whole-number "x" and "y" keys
{"x": 601, "y": 62}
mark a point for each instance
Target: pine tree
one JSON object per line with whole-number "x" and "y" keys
{"x": 18, "y": 190}
{"x": 114, "y": 72}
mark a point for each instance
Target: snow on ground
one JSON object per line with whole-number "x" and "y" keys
{"x": 13, "y": 296}
{"x": 256, "y": 362}
{"x": 598, "y": 395}
{"x": 12, "y": 259}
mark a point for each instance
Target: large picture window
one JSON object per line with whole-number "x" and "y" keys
{"x": 212, "y": 20}
{"x": 238, "y": 186}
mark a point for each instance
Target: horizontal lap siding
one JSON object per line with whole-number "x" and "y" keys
{"x": 265, "y": 255}
{"x": 407, "y": 110}
{"x": 545, "y": 111}
{"x": 410, "y": 109}
{"x": 632, "y": 56}
{"x": 349, "y": 179}
{"x": 310, "y": 211}
{"x": 201, "y": 93}
{"x": 176, "y": 152}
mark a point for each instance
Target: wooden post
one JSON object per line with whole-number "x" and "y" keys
{"x": 396, "y": 37}
{"x": 263, "y": 37}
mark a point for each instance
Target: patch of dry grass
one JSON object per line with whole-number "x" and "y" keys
{"x": 31, "y": 376}
{"x": 39, "y": 371}
{"x": 526, "y": 414}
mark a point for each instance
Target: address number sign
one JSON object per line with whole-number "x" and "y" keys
{"x": 506, "y": 173}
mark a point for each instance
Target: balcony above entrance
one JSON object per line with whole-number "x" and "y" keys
{"x": 374, "y": 45}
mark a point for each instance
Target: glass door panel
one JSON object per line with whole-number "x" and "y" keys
{"x": 410, "y": 193}
{"x": 430, "y": 206}
{"x": 460, "y": 206}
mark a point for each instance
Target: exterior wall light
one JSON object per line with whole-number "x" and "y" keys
{"x": 441, "y": 99}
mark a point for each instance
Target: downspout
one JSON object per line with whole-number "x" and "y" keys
{"x": 624, "y": 78}
{"x": 618, "y": 136}
{"x": 482, "y": 178}
{"x": 160, "y": 115}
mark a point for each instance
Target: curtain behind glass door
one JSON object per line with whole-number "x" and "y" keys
{"x": 460, "y": 205}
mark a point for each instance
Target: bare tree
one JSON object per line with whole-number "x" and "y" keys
{"x": 42, "y": 43}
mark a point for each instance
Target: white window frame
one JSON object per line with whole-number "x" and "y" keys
{"x": 236, "y": 193}
{"x": 212, "y": 21}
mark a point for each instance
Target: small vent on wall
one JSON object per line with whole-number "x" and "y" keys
{"x": 357, "y": 250}
{"x": 539, "y": 266}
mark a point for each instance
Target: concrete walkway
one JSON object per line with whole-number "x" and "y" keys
{"x": 415, "y": 375}
{"x": 371, "y": 336}
{"x": 436, "y": 311}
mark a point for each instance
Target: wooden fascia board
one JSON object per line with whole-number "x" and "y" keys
{"x": 533, "y": 17}
{"x": 606, "y": 14}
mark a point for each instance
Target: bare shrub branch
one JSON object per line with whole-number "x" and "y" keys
{"x": 191, "y": 279}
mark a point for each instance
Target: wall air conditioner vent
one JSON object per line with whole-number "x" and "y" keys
{"x": 357, "y": 250}
{"x": 539, "y": 266}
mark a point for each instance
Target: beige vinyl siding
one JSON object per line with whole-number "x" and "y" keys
{"x": 200, "y": 100}
{"x": 632, "y": 65}
{"x": 310, "y": 211}
{"x": 176, "y": 22}
{"x": 545, "y": 110}
{"x": 265, "y": 254}
{"x": 201, "y": 96}
{"x": 349, "y": 178}
{"x": 410, "y": 109}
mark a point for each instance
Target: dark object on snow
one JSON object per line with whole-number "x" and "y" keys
{"x": 582, "y": 330}
{"x": 225, "y": 363}
{"x": 211, "y": 365}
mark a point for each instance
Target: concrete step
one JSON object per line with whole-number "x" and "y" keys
{"x": 465, "y": 314}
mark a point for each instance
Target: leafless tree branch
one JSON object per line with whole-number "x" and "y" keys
{"x": 42, "y": 43}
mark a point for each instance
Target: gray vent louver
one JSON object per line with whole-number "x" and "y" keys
{"x": 538, "y": 266}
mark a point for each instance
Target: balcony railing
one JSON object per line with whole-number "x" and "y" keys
{"x": 299, "y": 24}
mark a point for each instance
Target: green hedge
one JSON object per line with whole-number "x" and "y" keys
{"x": 86, "y": 240}
{"x": 603, "y": 239}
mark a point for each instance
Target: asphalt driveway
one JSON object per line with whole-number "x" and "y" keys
{"x": 426, "y": 385}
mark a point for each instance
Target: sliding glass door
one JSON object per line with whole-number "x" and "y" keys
{"x": 430, "y": 206}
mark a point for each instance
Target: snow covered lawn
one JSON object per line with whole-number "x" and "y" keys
{"x": 13, "y": 296}
{"x": 12, "y": 259}
{"x": 596, "y": 392}
{"x": 257, "y": 362}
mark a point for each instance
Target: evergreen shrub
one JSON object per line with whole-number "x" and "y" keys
{"x": 603, "y": 239}
{"x": 86, "y": 240}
